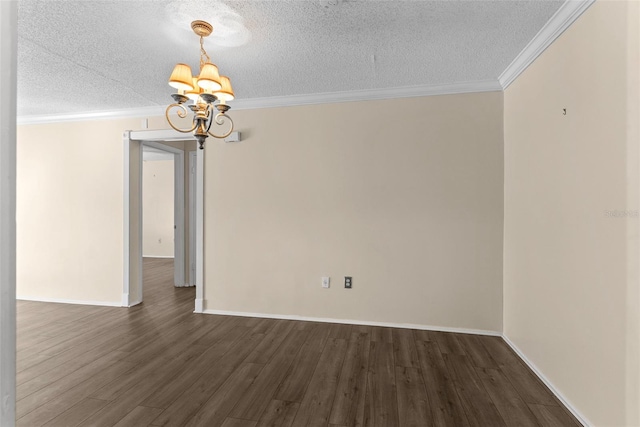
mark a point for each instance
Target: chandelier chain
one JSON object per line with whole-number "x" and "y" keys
{"x": 204, "y": 57}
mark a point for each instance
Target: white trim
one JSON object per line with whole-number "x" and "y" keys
{"x": 581, "y": 418}
{"x": 159, "y": 256}
{"x": 140, "y": 232}
{"x": 283, "y": 101}
{"x": 556, "y": 25}
{"x": 193, "y": 161}
{"x": 199, "y": 303}
{"x": 148, "y": 137}
{"x": 179, "y": 249}
{"x": 125, "y": 300}
{"x": 126, "y": 228}
{"x": 161, "y": 135}
{"x": 355, "y": 322}
{"x": 96, "y": 115}
{"x": 72, "y": 301}
{"x": 367, "y": 95}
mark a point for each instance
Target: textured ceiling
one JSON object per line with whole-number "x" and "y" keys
{"x": 83, "y": 56}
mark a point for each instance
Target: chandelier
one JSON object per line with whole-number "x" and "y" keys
{"x": 200, "y": 93}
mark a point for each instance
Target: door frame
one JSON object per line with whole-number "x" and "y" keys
{"x": 132, "y": 203}
{"x": 192, "y": 196}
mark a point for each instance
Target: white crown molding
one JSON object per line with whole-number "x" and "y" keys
{"x": 71, "y": 301}
{"x": 96, "y": 115}
{"x": 284, "y": 101}
{"x": 556, "y": 25}
{"x": 353, "y": 322}
{"x": 367, "y": 95}
{"x": 581, "y": 418}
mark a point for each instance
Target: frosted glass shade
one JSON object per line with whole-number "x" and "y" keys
{"x": 181, "y": 78}
{"x": 209, "y": 78}
{"x": 225, "y": 93}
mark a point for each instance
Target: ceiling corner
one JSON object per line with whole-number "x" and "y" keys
{"x": 557, "y": 24}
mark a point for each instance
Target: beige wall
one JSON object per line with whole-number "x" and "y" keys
{"x": 157, "y": 208}
{"x": 404, "y": 195}
{"x": 70, "y": 210}
{"x": 570, "y": 264}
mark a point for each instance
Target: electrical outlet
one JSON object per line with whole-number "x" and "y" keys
{"x": 325, "y": 282}
{"x": 348, "y": 281}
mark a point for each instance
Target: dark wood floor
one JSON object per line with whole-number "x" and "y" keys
{"x": 160, "y": 364}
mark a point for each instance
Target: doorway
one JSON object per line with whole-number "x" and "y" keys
{"x": 160, "y": 238}
{"x": 188, "y": 245}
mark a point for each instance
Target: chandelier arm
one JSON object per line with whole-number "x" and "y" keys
{"x": 210, "y": 113}
{"x": 182, "y": 113}
{"x": 220, "y": 119}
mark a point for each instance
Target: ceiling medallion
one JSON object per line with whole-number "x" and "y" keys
{"x": 203, "y": 91}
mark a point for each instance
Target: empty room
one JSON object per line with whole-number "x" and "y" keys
{"x": 320, "y": 213}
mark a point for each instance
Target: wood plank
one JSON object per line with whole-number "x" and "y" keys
{"x": 528, "y": 385}
{"x": 77, "y": 413}
{"x": 261, "y": 392}
{"x": 316, "y": 405}
{"x": 404, "y": 348}
{"x": 361, "y": 329}
{"x": 413, "y": 404}
{"x": 422, "y": 335}
{"x": 141, "y": 416}
{"x": 340, "y": 331}
{"x": 380, "y": 334}
{"x": 279, "y": 414}
{"x": 121, "y": 385}
{"x": 381, "y": 407}
{"x": 262, "y": 353}
{"x": 478, "y": 354}
{"x": 477, "y": 404}
{"x": 132, "y": 394}
{"x": 166, "y": 394}
{"x": 237, "y": 422}
{"x": 513, "y": 409}
{"x": 187, "y": 404}
{"x": 445, "y": 405}
{"x": 43, "y": 395}
{"x": 500, "y": 351}
{"x": 295, "y": 382}
{"x": 216, "y": 409}
{"x": 348, "y": 406}
{"x": 448, "y": 343}
{"x": 553, "y": 416}
{"x": 63, "y": 401}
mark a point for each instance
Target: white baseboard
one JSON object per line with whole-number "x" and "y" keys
{"x": 353, "y": 322}
{"x": 158, "y": 256}
{"x": 581, "y": 418}
{"x": 71, "y": 301}
{"x": 199, "y": 308}
{"x": 186, "y": 285}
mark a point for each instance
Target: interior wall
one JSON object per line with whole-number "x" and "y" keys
{"x": 158, "y": 208}
{"x": 405, "y": 196}
{"x": 70, "y": 210}
{"x": 571, "y": 214}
